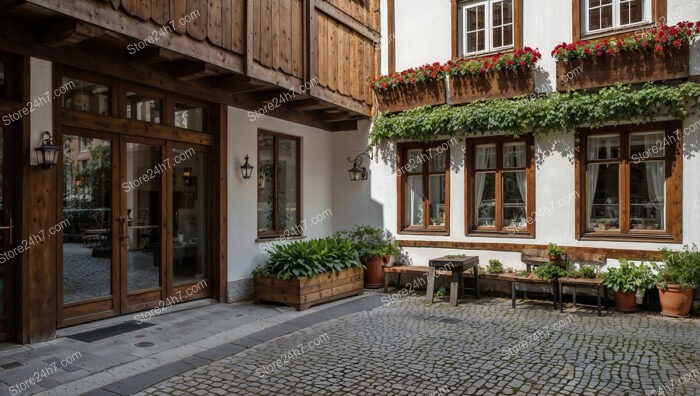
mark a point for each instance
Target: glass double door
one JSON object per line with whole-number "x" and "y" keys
{"x": 136, "y": 234}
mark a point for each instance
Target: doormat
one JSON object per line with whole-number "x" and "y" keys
{"x": 110, "y": 331}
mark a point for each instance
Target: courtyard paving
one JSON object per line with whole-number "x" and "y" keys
{"x": 481, "y": 347}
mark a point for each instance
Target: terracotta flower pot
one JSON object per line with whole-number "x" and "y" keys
{"x": 626, "y": 302}
{"x": 374, "y": 275}
{"x": 675, "y": 301}
{"x": 387, "y": 259}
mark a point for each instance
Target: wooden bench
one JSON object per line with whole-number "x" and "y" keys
{"x": 586, "y": 259}
{"x": 533, "y": 258}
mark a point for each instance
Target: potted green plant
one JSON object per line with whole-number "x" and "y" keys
{"x": 375, "y": 247}
{"x": 603, "y": 224}
{"x": 678, "y": 277}
{"x": 495, "y": 267}
{"x": 305, "y": 273}
{"x": 626, "y": 281}
{"x": 550, "y": 271}
{"x": 554, "y": 252}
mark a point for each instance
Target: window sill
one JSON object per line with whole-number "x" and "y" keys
{"x": 496, "y": 234}
{"x": 425, "y": 232}
{"x": 616, "y": 32}
{"x": 629, "y": 237}
{"x": 281, "y": 238}
{"x": 484, "y": 54}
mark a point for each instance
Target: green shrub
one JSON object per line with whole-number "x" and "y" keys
{"x": 587, "y": 272}
{"x": 550, "y": 271}
{"x": 495, "y": 267}
{"x": 629, "y": 277}
{"x": 372, "y": 242}
{"x": 554, "y": 250}
{"x": 309, "y": 258}
{"x": 681, "y": 268}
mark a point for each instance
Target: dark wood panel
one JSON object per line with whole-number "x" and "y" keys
{"x": 632, "y": 254}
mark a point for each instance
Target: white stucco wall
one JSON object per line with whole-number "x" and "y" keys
{"x": 244, "y": 253}
{"x": 546, "y": 23}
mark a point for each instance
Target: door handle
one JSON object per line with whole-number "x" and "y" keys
{"x": 10, "y": 228}
{"x": 122, "y": 229}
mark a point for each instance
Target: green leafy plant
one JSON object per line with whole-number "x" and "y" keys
{"x": 309, "y": 258}
{"x": 629, "y": 278}
{"x": 656, "y": 38}
{"x": 553, "y": 250}
{"x": 372, "y": 242}
{"x": 440, "y": 292}
{"x": 495, "y": 267}
{"x": 455, "y": 256}
{"x": 587, "y": 272}
{"x": 550, "y": 271}
{"x": 553, "y": 112}
{"x": 681, "y": 268}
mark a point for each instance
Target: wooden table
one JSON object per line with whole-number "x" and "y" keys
{"x": 457, "y": 265}
{"x": 514, "y": 280}
{"x": 598, "y": 284}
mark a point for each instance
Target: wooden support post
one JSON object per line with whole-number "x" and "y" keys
{"x": 512, "y": 285}
{"x": 454, "y": 287}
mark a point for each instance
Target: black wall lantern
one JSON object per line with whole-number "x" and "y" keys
{"x": 47, "y": 152}
{"x": 246, "y": 169}
{"x": 358, "y": 172}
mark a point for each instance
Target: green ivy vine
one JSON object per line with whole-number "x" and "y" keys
{"x": 556, "y": 111}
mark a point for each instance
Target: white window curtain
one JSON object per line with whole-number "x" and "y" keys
{"x": 603, "y": 147}
{"x": 651, "y": 140}
{"x": 594, "y": 147}
{"x": 485, "y": 159}
{"x": 514, "y": 155}
{"x": 656, "y": 177}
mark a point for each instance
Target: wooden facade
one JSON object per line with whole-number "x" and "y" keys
{"x": 239, "y": 53}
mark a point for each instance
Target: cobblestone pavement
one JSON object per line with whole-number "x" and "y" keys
{"x": 479, "y": 348}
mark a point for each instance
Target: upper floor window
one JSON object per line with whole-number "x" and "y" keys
{"x": 424, "y": 187}
{"x": 630, "y": 183}
{"x": 601, "y": 15}
{"x": 486, "y": 26}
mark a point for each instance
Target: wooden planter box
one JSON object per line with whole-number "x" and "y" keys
{"x": 492, "y": 85}
{"x": 627, "y": 68}
{"x": 408, "y": 97}
{"x": 301, "y": 293}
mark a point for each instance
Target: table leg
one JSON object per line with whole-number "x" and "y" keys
{"x": 386, "y": 281}
{"x": 598, "y": 289}
{"x": 476, "y": 281}
{"x": 605, "y": 294}
{"x": 574, "y": 298}
{"x": 555, "y": 292}
{"x": 512, "y": 285}
{"x": 561, "y": 293}
{"x": 431, "y": 286}
{"x": 454, "y": 287}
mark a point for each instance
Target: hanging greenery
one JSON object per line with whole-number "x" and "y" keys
{"x": 532, "y": 114}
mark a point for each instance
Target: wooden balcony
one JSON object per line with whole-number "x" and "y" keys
{"x": 317, "y": 54}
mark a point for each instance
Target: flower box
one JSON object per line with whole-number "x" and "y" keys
{"x": 302, "y": 293}
{"x": 491, "y": 85}
{"x": 631, "y": 67}
{"x": 405, "y": 97}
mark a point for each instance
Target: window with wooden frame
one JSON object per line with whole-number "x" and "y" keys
{"x": 424, "y": 187}
{"x": 500, "y": 186}
{"x": 483, "y": 26}
{"x": 629, "y": 182}
{"x": 601, "y": 17}
{"x": 279, "y": 194}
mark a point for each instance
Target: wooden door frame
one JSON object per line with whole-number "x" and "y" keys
{"x": 95, "y": 308}
{"x": 146, "y": 298}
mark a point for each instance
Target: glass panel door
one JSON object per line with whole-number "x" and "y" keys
{"x": 88, "y": 270}
{"x": 189, "y": 225}
{"x": 141, "y": 222}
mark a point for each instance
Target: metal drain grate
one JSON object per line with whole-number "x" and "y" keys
{"x": 450, "y": 320}
{"x": 111, "y": 331}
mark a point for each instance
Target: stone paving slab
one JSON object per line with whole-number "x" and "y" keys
{"x": 481, "y": 347}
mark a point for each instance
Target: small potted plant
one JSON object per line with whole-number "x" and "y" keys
{"x": 554, "y": 252}
{"x": 603, "y": 224}
{"x": 626, "y": 281}
{"x": 678, "y": 277}
{"x": 375, "y": 248}
{"x": 495, "y": 267}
